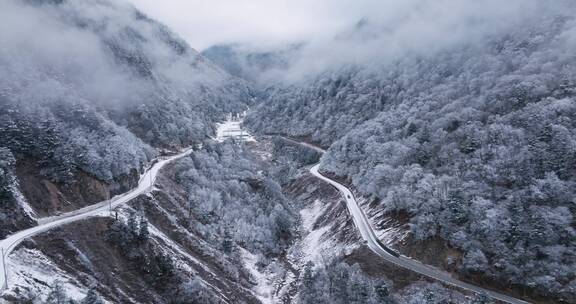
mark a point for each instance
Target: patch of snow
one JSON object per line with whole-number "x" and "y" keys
{"x": 23, "y": 202}
{"x": 389, "y": 235}
{"x": 310, "y": 215}
{"x": 313, "y": 246}
{"x": 30, "y": 269}
{"x": 316, "y": 245}
{"x": 264, "y": 290}
{"x": 284, "y": 288}
{"x": 232, "y": 128}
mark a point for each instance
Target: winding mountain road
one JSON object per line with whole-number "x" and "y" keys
{"x": 144, "y": 185}
{"x": 147, "y": 181}
{"x": 367, "y": 233}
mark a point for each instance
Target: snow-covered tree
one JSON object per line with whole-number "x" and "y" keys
{"x": 57, "y": 294}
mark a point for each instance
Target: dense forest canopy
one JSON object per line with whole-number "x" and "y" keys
{"x": 459, "y": 116}
{"x": 96, "y": 86}
{"x": 475, "y": 141}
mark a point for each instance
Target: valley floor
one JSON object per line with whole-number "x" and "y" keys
{"x": 77, "y": 248}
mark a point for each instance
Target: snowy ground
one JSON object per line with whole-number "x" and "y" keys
{"x": 264, "y": 290}
{"x": 390, "y": 235}
{"x": 232, "y": 128}
{"x": 144, "y": 185}
{"x": 28, "y": 267}
{"x": 317, "y": 245}
{"x": 314, "y": 245}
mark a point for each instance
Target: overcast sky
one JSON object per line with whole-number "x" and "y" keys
{"x": 396, "y": 28}
{"x": 206, "y": 22}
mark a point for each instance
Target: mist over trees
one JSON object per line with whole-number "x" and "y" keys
{"x": 256, "y": 66}
{"x": 96, "y": 86}
{"x": 471, "y": 134}
{"x": 475, "y": 142}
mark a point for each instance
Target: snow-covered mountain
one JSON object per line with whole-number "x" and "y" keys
{"x": 470, "y": 142}
{"x": 92, "y": 90}
{"x": 259, "y": 66}
{"x": 459, "y": 149}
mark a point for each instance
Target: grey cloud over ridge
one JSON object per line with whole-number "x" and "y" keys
{"x": 204, "y": 23}
{"x": 393, "y": 28}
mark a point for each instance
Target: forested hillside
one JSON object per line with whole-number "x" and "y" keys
{"x": 250, "y": 63}
{"x": 474, "y": 141}
{"x": 93, "y": 90}
{"x": 452, "y": 122}
{"x": 231, "y": 203}
{"x": 186, "y": 242}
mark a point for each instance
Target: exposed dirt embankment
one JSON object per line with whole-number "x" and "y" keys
{"x": 307, "y": 189}
{"x": 49, "y": 198}
{"x": 434, "y": 251}
{"x": 83, "y": 254}
{"x": 80, "y": 250}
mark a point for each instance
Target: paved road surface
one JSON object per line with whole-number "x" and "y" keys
{"x": 367, "y": 233}
{"x": 144, "y": 185}
{"x": 148, "y": 178}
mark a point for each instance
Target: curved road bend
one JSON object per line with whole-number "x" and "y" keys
{"x": 144, "y": 185}
{"x": 367, "y": 233}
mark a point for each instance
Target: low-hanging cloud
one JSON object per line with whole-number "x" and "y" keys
{"x": 331, "y": 30}
{"x": 98, "y": 52}
{"x": 46, "y": 59}
{"x": 422, "y": 28}
{"x": 259, "y": 22}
